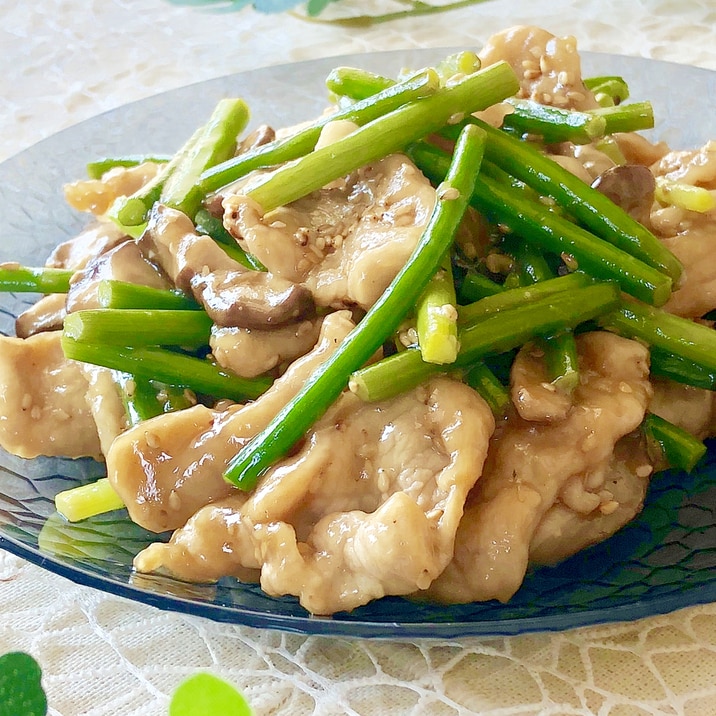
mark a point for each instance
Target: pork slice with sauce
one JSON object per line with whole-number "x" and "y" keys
{"x": 43, "y": 410}
{"x": 368, "y": 506}
{"x": 97, "y": 195}
{"x": 167, "y": 467}
{"x": 589, "y": 511}
{"x": 105, "y": 403}
{"x": 346, "y": 241}
{"x": 689, "y": 235}
{"x": 692, "y": 409}
{"x": 250, "y": 352}
{"x": 531, "y": 467}
{"x": 549, "y": 67}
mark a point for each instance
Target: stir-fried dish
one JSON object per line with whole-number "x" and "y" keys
{"x": 448, "y": 329}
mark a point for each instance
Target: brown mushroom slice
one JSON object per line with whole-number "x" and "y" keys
{"x": 630, "y": 186}
{"x": 47, "y": 314}
{"x": 171, "y": 241}
{"x": 125, "y": 262}
{"x": 231, "y": 294}
{"x": 77, "y": 252}
{"x": 263, "y": 134}
{"x": 252, "y": 299}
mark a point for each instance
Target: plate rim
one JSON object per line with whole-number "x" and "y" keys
{"x": 326, "y": 626}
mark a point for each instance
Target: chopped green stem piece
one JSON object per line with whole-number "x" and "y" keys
{"x": 133, "y": 327}
{"x": 504, "y": 330}
{"x": 211, "y": 225}
{"x": 26, "y": 279}
{"x": 675, "y": 446}
{"x": 144, "y": 399}
{"x": 464, "y": 62}
{"x": 89, "y": 500}
{"x": 513, "y": 297}
{"x": 676, "y": 368}
{"x": 560, "y": 350}
{"x": 608, "y": 90}
{"x": 99, "y": 167}
{"x": 561, "y": 360}
{"x": 303, "y": 141}
{"x": 393, "y": 376}
{"x": 610, "y": 147}
{"x": 553, "y": 124}
{"x": 678, "y": 336}
{"x": 534, "y": 222}
{"x": 685, "y": 196}
{"x": 166, "y": 366}
{"x": 491, "y": 334}
{"x": 626, "y": 117}
{"x": 215, "y": 144}
{"x": 512, "y": 280}
{"x": 593, "y": 209}
{"x": 436, "y": 318}
{"x": 532, "y": 266}
{"x": 475, "y": 286}
{"x": 384, "y": 135}
{"x": 130, "y": 213}
{"x": 481, "y": 379}
{"x": 358, "y": 84}
{"x": 112, "y": 293}
{"x": 355, "y": 83}
{"x": 380, "y": 322}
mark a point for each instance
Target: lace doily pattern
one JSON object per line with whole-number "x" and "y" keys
{"x": 103, "y": 655}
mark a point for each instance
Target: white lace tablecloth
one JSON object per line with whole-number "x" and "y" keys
{"x": 62, "y": 61}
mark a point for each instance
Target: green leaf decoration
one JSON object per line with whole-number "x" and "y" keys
{"x": 316, "y": 7}
{"x": 207, "y": 695}
{"x": 21, "y": 692}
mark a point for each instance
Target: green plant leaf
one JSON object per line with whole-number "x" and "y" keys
{"x": 316, "y": 7}
{"x": 21, "y": 692}
{"x": 207, "y": 695}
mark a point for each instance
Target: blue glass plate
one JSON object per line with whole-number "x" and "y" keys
{"x": 663, "y": 561}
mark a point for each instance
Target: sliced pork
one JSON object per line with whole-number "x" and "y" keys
{"x": 167, "y": 467}
{"x": 368, "y": 507}
{"x": 345, "y": 242}
{"x": 531, "y": 467}
{"x": 43, "y": 410}
{"x": 549, "y": 67}
{"x": 690, "y": 235}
